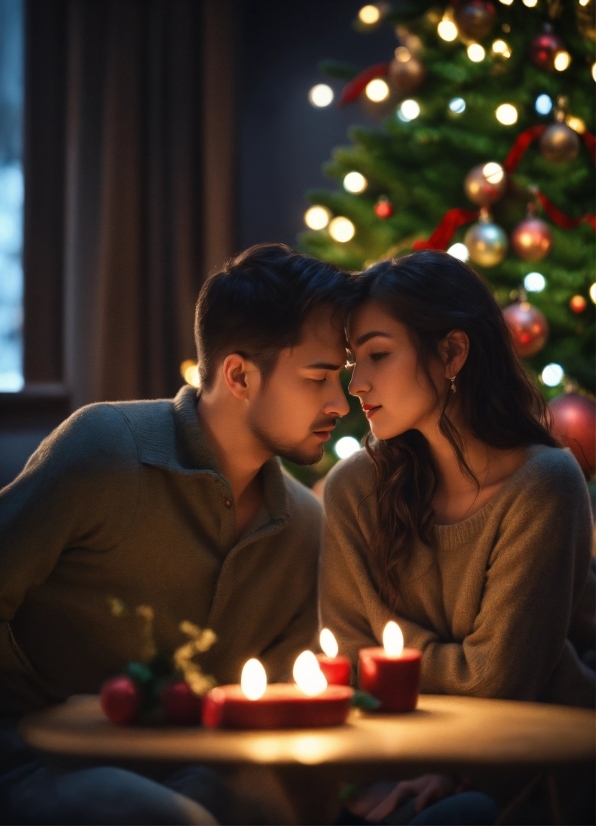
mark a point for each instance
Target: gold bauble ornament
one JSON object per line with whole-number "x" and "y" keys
{"x": 559, "y": 143}
{"x": 486, "y": 243}
{"x": 406, "y": 72}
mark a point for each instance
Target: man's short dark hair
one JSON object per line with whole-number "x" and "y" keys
{"x": 257, "y": 304}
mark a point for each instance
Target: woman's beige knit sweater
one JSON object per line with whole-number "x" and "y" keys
{"x": 503, "y": 606}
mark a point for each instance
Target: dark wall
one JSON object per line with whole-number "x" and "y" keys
{"x": 283, "y": 139}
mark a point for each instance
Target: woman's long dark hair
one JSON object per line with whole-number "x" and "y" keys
{"x": 432, "y": 293}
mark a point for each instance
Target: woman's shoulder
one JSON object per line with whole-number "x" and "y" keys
{"x": 551, "y": 467}
{"x": 350, "y": 479}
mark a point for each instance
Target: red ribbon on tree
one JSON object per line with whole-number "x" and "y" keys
{"x": 590, "y": 142}
{"x": 452, "y": 220}
{"x": 357, "y": 85}
{"x": 559, "y": 218}
{"x": 518, "y": 149}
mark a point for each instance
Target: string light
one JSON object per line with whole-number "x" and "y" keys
{"x": 506, "y": 2}
{"x": 576, "y": 124}
{"x": 317, "y": 217}
{"x": 534, "y": 282}
{"x": 447, "y": 30}
{"x": 476, "y": 52}
{"x": 457, "y": 105}
{"x": 409, "y": 110}
{"x": 594, "y": 71}
{"x": 377, "y": 90}
{"x": 584, "y": 2}
{"x": 342, "y": 229}
{"x": 369, "y": 15}
{"x": 402, "y": 54}
{"x": 530, "y": 3}
{"x": 459, "y": 251}
{"x": 552, "y": 375}
{"x": 355, "y": 182}
{"x": 321, "y": 95}
{"x": 506, "y": 114}
{"x": 543, "y": 104}
{"x": 562, "y": 61}
{"x": 593, "y": 292}
{"x": 500, "y": 48}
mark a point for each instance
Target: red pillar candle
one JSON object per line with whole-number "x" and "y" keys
{"x": 392, "y": 673}
{"x": 337, "y": 670}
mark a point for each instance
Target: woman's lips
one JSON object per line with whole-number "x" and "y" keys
{"x": 370, "y": 409}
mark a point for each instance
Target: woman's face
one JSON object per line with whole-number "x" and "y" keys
{"x": 388, "y": 378}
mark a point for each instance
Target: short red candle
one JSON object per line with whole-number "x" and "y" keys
{"x": 282, "y": 705}
{"x": 337, "y": 670}
{"x": 395, "y": 681}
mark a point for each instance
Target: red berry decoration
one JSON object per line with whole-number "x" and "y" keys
{"x": 578, "y": 304}
{"x": 543, "y": 49}
{"x": 180, "y": 704}
{"x": 532, "y": 239}
{"x": 383, "y": 208}
{"x": 528, "y": 328}
{"x": 121, "y": 700}
{"x": 475, "y": 19}
{"x": 574, "y": 423}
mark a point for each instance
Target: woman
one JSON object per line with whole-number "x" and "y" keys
{"x": 462, "y": 519}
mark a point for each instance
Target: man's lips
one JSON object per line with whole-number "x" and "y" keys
{"x": 324, "y": 433}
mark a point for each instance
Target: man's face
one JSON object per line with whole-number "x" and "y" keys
{"x": 296, "y": 408}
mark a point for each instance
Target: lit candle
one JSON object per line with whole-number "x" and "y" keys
{"x": 336, "y": 669}
{"x": 307, "y": 703}
{"x": 391, "y": 673}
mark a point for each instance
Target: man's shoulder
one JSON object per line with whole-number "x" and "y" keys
{"x": 303, "y": 505}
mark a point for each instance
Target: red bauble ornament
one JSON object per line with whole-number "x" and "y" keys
{"x": 475, "y": 19}
{"x": 180, "y": 704}
{"x": 528, "y": 328}
{"x": 532, "y": 239}
{"x": 578, "y": 304}
{"x": 543, "y": 49}
{"x": 121, "y": 700}
{"x": 574, "y": 423}
{"x": 485, "y": 184}
{"x": 383, "y": 208}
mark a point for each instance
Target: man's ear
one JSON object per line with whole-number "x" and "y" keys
{"x": 453, "y": 350}
{"x": 240, "y": 375}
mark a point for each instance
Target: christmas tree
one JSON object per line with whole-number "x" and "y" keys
{"x": 485, "y": 150}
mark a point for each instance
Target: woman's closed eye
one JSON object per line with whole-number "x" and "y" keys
{"x": 377, "y": 356}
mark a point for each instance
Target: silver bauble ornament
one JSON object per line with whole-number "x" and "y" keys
{"x": 486, "y": 243}
{"x": 485, "y": 184}
{"x": 532, "y": 240}
{"x": 559, "y": 143}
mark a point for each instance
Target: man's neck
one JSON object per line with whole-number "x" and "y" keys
{"x": 238, "y": 457}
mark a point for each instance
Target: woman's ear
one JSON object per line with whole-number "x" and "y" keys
{"x": 453, "y": 350}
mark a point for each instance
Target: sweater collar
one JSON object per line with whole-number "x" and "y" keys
{"x": 199, "y": 456}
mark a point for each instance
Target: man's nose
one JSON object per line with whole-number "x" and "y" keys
{"x": 338, "y": 405}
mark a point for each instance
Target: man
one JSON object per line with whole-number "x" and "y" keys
{"x": 181, "y": 505}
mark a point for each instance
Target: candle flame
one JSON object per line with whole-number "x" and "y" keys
{"x": 253, "y": 681}
{"x": 328, "y": 643}
{"x": 393, "y": 639}
{"x": 309, "y": 677}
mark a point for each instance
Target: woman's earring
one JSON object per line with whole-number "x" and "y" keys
{"x": 452, "y": 380}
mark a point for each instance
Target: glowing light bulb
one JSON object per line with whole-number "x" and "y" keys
{"x": 253, "y": 681}
{"x": 506, "y": 2}
{"x": 534, "y": 282}
{"x": 321, "y": 95}
{"x": 447, "y": 30}
{"x": 342, "y": 229}
{"x": 190, "y": 372}
{"x": 457, "y": 105}
{"x": 377, "y": 90}
{"x": 552, "y": 375}
{"x": 346, "y": 446}
{"x": 328, "y": 643}
{"x": 543, "y": 104}
{"x": 393, "y": 639}
{"x": 594, "y": 71}
{"x": 317, "y": 217}
{"x": 500, "y": 48}
{"x": 459, "y": 251}
{"x": 593, "y": 292}
{"x": 369, "y": 15}
{"x": 307, "y": 674}
{"x": 493, "y": 172}
{"x": 409, "y": 110}
{"x": 530, "y": 3}
{"x": 576, "y": 124}
{"x": 584, "y": 2}
{"x": 506, "y": 114}
{"x": 562, "y": 61}
{"x": 355, "y": 182}
{"x": 476, "y": 52}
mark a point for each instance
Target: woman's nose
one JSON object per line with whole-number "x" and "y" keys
{"x": 358, "y": 383}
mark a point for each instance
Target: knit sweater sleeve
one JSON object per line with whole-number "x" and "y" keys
{"x": 536, "y": 570}
{"x": 79, "y": 489}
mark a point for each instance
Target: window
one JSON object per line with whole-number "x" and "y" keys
{"x": 11, "y": 195}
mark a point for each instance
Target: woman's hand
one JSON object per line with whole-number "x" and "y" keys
{"x": 375, "y": 803}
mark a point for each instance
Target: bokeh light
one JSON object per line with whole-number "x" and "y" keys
{"x": 346, "y": 446}
{"x": 321, "y": 95}
{"x": 534, "y": 282}
{"x": 562, "y": 61}
{"x": 342, "y": 229}
{"x": 377, "y": 90}
{"x": 552, "y": 375}
{"x": 355, "y": 182}
{"x": 447, "y": 30}
{"x": 369, "y": 15}
{"x": 476, "y": 52}
{"x": 459, "y": 251}
{"x": 506, "y": 114}
{"x": 543, "y": 104}
{"x": 317, "y": 217}
{"x": 409, "y": 110}
{"x": 457, "y": 105}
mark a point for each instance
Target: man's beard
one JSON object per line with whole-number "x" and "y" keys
{"x": 299, "y": 454}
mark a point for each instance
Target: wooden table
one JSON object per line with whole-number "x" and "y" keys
{"x": 445, "y": 734}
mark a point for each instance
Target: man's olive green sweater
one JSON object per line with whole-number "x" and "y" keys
{"x": 126, "y": 500}
{"x": 503, "y": 606}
